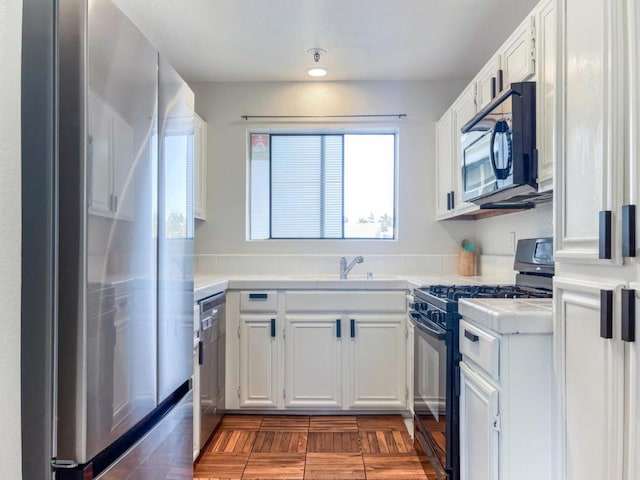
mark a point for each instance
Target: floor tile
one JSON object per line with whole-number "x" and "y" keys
{"x": 333, "y": 442}
{"x": 268, "y": 441}
{"x": 381, "y": 422}
{"x": 390, "y": 466}
{"x": 386, "y": 441}
{"x": 334, "y": 465}
{"x": 333, "y": 423}
{"x": 275, "y": 465}
{"x": 233, "y": 441}
{"x": 221, "y": 465}
{"x": 288, "y": 423}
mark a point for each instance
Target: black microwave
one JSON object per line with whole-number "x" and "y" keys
{"x": 499, "y": 160}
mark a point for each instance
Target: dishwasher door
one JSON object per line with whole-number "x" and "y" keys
{"x": 212, "y": 319}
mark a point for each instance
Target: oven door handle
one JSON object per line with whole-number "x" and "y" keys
{"x": 435, "y": 331}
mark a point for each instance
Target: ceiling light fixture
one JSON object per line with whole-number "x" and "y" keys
{"x": 317, "y": 71}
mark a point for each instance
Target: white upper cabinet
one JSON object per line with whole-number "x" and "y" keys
{"x": 487, "y": 82}
{"x": 518, "y": 55}
{"x": 546, "y": 59}
{"x": 199, "y": 168}
{"x": 590, "y": 123}
{"x": 444, "y": 165}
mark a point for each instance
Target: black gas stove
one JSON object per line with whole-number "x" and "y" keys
{"x": 434, "y": 313}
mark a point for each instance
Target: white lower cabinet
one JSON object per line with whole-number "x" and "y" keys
{"x": 479, "y": 427}
{"x": 377, "y": 361}
{"x": 409, "y": 369}
{"x": 317, "y": 350}
{"x": 313, "y": 362}
{"x": 591, "y": 372}
{"x": 259, "y": 345}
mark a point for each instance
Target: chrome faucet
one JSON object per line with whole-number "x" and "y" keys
{"x": 345, "y": 269}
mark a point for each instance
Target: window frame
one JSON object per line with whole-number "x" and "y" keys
{"x": 320, "y": 132}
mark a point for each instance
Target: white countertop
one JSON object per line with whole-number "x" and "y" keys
{"x": 509, "y": 315}
{"x": 207, "y": 285}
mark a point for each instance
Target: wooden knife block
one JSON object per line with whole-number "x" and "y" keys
{"x": 466, "y": 264}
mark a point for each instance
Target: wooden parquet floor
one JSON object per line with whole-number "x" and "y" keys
{"x": 319, "y": 448}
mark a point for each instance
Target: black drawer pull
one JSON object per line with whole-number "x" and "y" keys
{"x": 628, "y": 315}
{"x": 606, "y": 313}
{"x": 471, "y": 336}
{"x": 338, "y": 328}
{"x": 628, "y": 230}
{"x": 258, "y": 296}
{"x": 353, "y": 328}
{"x": 200, "y": 353}
{"x": 493, "y": 88}
{"x": 604, "y": 240}
{"x": 273, "y": 327}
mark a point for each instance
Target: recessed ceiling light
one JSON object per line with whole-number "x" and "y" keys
{"x": 317, "y": 72}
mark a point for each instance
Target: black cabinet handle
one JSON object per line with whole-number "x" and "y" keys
{"x": 493, "y": 88}
{"x": 604, "y": 242}
{"x": 453, "y": 200}
{"x": 338, "y": 328}
{"x": 353, "y": 328}
{"x": 258, "y": 296}
{"x": 606, "y": 313}
{"x": 500, "y": 80}
{"x": 200, "y": 353}
{"x": 628, "y": 230}
{"x": 273, "y": 327}
{"x": 628, "y": 315}
{"x": 448, "y": 200}
{"x": 471, "y": 336}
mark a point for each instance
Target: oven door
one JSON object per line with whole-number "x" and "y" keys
{"x": 434, "y": 398}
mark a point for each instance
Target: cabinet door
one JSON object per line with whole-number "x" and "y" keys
{"x": 123, "y": 169}
{"x": 590, "y": 124}
{"x": 410, "y": 358}
{"x": 199, "y": 168}
{"x": 546, "y": 57}
{"x": 258, "y": 361}
{"x": 100, "y": 124}
{"x": 444, "y": 164}
{"x": 377, "y": 361}
{"x": 484, "y": 81}
{"x": 313, "y": 357}
{"x": 590, "y": 371}
{"x": 518, "y": 61}
{"x": 633, "y": 140}
{"x": 462, "y": 111}
{"x": 479, "y": 427}
{"x": 632, "y": 355}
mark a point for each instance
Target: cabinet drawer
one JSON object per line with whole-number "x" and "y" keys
{"x": 259, "y": 301}
{"x": 349, "y": 301}
{"x": 480, "y": 347}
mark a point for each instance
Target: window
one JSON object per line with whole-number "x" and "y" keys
{"x": 322, "y": 186}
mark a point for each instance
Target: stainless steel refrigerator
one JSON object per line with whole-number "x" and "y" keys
{"x": 107, "y": 311}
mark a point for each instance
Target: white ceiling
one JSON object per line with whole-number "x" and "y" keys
{"x": 267, "y": 40}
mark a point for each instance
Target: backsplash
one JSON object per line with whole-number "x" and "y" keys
{"x": 318, "y": 264}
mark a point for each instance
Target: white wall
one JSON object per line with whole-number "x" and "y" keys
{"x": 10, "y": 43}
{"x": 222, "y": 104}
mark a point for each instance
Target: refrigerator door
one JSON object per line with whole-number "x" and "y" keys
{"x": 176, "y": 231}
{"x": 107, "y": 356}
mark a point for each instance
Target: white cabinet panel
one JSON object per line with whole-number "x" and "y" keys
{"x": 590, "y": 142}
{"x": 313, "y": 359}
{"x": 199, "y": 168}
{"x": 444, "y": 164}
{"x": 479, "y": 427}
{"x": 632, "y": 421}
{"x": 258, "y": 362}
{"x": 518, "y": 62}
{"x": 410, "y": 359}
{"x": 485, "y": 80}
{"x": 377, "y": 361}
{"x": 546, "y": 57}
{"x": 590, "y": 369}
